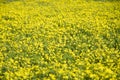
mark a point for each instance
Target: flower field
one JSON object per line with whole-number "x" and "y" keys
{"x": 59, "y": 40}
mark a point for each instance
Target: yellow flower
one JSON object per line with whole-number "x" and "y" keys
{"x": 52, "y": 76}
{"x": 88, "y": 71}
{"x": 65, "y": 77}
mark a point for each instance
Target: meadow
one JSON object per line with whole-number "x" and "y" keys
{"x": 59, "y": 40}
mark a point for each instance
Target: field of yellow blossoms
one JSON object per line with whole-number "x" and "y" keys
{"x": 59, "y": 40}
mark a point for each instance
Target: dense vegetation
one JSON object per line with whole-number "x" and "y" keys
{"x": 59, "y": 40}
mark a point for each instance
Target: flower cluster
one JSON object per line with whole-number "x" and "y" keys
{"x": 59, "y": 40}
